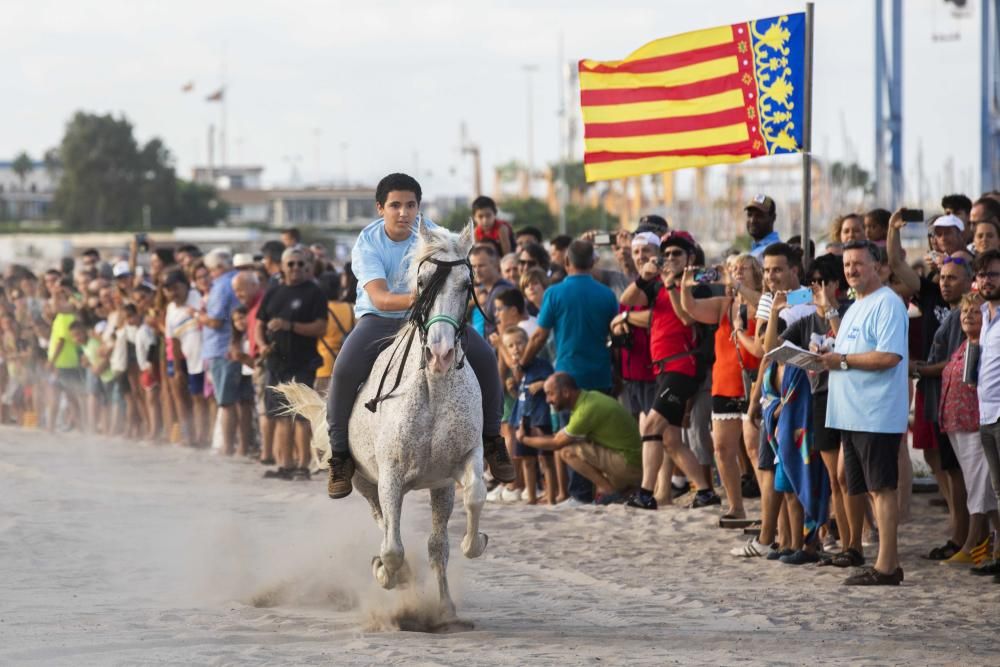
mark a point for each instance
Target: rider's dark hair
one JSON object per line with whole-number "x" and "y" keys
{"x": 483, "y": 202}
{"x": 511, "y": 298}
{"x": 399, "y": 183}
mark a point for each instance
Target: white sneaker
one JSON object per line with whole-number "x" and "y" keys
{"x": 494, "y": 495}
{"x": 752, "y": 549}
{"x": 511, "y": 495}
{"x": 571, "y": 502}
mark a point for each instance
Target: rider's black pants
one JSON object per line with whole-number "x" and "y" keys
{"x": 361, "y": 348}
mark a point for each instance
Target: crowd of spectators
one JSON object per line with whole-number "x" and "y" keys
{"x": 635, "y": 370}
{"x": 173, "y": 345}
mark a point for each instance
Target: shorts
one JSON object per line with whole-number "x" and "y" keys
{"x": 93, "y": 384}
{"x": 638, "y": 396}
{"x": 275, "y": 404}
{"x": 672, "y": 393}
{"x": 522, "y": 450}
{"x": 698, "y": 435}
{"x": 70, "y": 379}
{"x": 150, "y": 378}
{"x": 871, "y": 461}
{"x": 611, "y": 463}
{"x": 765, "y": 455}
{"x": 781, "y": 482}
{"x": 196, "y": 383}
{"x": 728, "y": 407}
{"x": 825, "y": 439}
{"x": 227, "y": 381}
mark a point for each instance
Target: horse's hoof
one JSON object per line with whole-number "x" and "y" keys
{"x": 382, "y": 576}
{"x": 475, "y": 548}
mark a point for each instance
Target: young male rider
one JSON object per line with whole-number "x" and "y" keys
{"x": 380, "y": 260}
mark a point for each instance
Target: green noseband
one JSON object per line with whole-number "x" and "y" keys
{"x": 447, "y": 319}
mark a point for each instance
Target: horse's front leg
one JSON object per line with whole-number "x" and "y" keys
{"x": 474, "y": 490}
{"x": 442, "y": 503}
{"x": 388, "y": 563}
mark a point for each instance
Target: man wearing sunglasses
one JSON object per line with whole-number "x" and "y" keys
{"x": 940, "y": 335}
{"x": 291, "y": 317}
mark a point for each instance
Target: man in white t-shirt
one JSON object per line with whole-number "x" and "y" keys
{"x": 867, "y": 399}
{"x": 185, "y": 367}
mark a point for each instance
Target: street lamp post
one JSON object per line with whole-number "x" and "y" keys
{"x": 528, "y": 71}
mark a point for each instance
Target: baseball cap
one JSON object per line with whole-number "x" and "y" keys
{"x": 949, "y": 221}
{"x": 678, "y": 238}
{"x": 121, "y": 270}
{"x": 242, "y": 260}
{"x": 645, "y": 238}
{"x": 762, "y": 203}
{"x": 653, "y": 223}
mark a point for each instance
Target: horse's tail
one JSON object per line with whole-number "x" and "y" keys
{"x": 305, "y": 402}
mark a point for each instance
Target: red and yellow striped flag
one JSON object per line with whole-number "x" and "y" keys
{"x": 713, "y": 96}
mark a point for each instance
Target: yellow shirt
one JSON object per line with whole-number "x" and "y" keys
{"x": 338, "y": 325}
{"x": 69, "y": 355}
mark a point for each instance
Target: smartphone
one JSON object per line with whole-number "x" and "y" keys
{"x": 800, "y": 296}
{"x": 142, "y": 241}
{"x": 742, "y": 316}
{"x": 602, "y": 238}
{"x": 913, "y": 215}
{"x": 706, "y": 275}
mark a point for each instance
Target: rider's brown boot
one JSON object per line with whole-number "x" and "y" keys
{"x": 497, "y": 460}
{"x": 341, "y": 472}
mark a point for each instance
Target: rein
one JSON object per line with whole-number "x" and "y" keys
{"x": 421, "y": 320}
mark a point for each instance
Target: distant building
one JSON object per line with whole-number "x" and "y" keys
{"x": 249, "y": 203}
{"x": 27, "y": 199}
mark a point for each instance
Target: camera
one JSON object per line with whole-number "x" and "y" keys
{"x": 602, "y": 238}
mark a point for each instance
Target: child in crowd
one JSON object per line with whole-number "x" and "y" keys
{"x": 96, "y": 363}
{"x": 530, "y": 416}
{"x": 489, "y": 228}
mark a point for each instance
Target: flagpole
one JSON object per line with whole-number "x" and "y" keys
{"x": 807, "y": 135}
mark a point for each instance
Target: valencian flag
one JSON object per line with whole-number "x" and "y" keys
{"x": 713, "y": 96}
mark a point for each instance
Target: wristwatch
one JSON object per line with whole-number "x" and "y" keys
{"x": 843, "y": 362}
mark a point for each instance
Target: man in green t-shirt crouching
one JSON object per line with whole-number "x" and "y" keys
{"x": 600, "y": 442}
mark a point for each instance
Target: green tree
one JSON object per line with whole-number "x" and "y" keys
{"x": 107, "y": 179}
{"x": 580, "y": 219}
{"x": 22, "y": 166}
{"x": 456, "y": 219}
{"x": 197, "y": 205}
{"x": 529, "y": 212}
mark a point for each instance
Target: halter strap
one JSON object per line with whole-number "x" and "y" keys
{"x": 417, "y": 323}
{"x": 447, "y": 319}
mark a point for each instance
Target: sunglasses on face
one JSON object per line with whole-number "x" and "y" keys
{"x": 954, "y": 260}
{"x": 674, "y": 253}
{"x": 527, "y": 262}
{"x": 295, "y": 265}
{"x": 816, "y": 280}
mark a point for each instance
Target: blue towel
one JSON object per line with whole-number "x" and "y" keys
{"x": 801, "y": 463}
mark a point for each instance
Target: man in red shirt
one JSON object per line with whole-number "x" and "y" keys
{"x": 673, "y": 347}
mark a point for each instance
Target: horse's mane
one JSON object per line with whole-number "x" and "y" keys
{"x": 441, "y": 242}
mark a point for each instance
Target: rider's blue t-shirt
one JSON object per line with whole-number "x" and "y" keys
{"x": 377, "y": 257}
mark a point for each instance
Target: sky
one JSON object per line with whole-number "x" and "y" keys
{"x": 334, "y": 90}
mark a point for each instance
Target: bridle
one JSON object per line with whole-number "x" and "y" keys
{"x": 420, "y": 320}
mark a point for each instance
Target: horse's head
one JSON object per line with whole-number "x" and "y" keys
{"x": 442, "y": 278}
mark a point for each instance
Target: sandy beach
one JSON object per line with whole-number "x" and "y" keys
{"x": 116, "y": 552}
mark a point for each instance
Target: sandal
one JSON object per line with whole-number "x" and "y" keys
{"x": 944, "y": 552}
{"x": 848, "y": 558}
